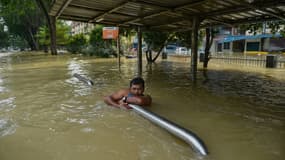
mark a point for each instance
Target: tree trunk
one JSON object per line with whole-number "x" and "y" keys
{"x": 148, "y": 53}
{"x": 209, "y": 41}
{"x": 35, "y": 45}
{"x": 158, "y": 53}
{"x": 161, "y": 48}
{"x": 51, "y": 21}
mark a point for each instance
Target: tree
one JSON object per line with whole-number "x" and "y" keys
{"x": 96, "y": 39}
{"x": 51, "y": 23}
{"x": 155, "y": 41}
{"x": 210, "y": 34}
{"x": 18, "y": 42}
{"x": 4, "y": 40}
{"x": 274, "y": 26}
{"x": 184, "y": 38}
{"x": 62, "y": 34}
{"x": 99, "y": 46}
{"x": 23, "y": 19}
{"x": 126, "y": 35}
{"x": 77, "y": 43}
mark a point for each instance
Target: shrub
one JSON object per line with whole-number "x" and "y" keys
{"x": 77, "y": 43}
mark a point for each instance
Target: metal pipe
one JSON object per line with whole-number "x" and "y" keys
{"x": 188, "y": 136}
{"x": 83, "y": 79}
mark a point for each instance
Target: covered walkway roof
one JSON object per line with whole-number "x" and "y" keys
{"x": 168, "y": 14}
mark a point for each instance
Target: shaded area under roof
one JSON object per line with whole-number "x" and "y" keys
{"x": 173, "y": 15}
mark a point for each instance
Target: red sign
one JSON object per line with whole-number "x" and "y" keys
{"x": 110, "y": 32}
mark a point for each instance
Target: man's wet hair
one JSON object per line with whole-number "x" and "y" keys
{"x": 136, "y": 81}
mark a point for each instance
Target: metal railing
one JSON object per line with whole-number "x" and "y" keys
{"x": 252, "y": 61}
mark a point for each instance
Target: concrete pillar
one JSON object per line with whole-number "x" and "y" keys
{"x": 231, "y": 47}
{"x": 194, "y": 47}
{"x": 118, "y": 52}
{"x": 245, "y": 47}
{"x": 139, "y": 51}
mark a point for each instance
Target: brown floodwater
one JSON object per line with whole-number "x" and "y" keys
{"x": 47, "y": 114}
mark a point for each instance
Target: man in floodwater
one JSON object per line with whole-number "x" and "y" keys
{"x": 133, "y": 95}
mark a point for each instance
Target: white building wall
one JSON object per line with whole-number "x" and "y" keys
{"x": 80, "y": 27}
{"x": 266, "y": 45}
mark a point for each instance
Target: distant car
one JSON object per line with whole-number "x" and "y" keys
{"x": 144, "y": 49}
{"x": 201, "y": 51}
{"x": 181, "y": 50}
{"x": 170, "y": 49}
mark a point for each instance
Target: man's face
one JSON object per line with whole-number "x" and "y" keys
{"x": 136, "y": 89}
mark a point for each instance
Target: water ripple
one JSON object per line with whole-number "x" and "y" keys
{"x": 7, "y": 127}
{"x": 7, "y": 104}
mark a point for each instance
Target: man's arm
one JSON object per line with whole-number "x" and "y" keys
{"x": 114, "y": 98}
{"x": 140, "y": 100}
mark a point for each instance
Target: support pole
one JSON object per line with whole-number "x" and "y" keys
{"x": 139, "y": 51}
{"x": 118, "y": 52}
{"x": 53, "y": 35}
{"x": 194, "y": 47}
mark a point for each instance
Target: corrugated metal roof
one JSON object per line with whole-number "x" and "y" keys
{"x": 168, "y": 14}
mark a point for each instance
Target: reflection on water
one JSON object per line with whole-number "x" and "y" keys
{"x": 46, "y": 113}
{"x": 77, "y": 67}
{"x": 7, "y": 127}
{"x": 257, "y": 88}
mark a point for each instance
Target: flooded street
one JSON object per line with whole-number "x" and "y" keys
{"x": 47, "y": 114}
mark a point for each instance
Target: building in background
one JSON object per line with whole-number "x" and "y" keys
{"x": 81, "y": 27}
{"x": 234, "y": 40}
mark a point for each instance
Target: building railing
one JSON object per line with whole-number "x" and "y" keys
{"x": 253, "y": 61}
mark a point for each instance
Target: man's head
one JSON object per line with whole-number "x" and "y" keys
{"x": 137, "y": 86}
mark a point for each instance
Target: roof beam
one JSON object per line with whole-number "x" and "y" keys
{"x": 149, "y": 4}
{"x": 240, "y": 8}
{"x": 266, "y": 11}
{"x": 99, "y": 10}
{"x": 221, "y": 22}
{"x": 167, "y": 23}
{"x": 62, "y": 8}
{"x": 109, "y": 11}
{"x": 75, "y": 18}
{"x": 165, "y": 10}
{"x": 191, "y": 4}
{"x": 146, "y": 17}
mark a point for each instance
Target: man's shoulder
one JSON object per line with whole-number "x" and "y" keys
{"x": 124, "y": 91}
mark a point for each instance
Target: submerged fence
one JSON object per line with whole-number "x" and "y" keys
{"x": 253, "y": 61}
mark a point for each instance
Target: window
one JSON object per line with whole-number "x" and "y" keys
{"x": 252, "y": 46}
{"x": 227, "y": 45}
{"x": 219, "y": 47}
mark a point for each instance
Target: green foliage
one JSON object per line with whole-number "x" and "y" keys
{"x": 184, "y": 38}
{"x": 4, "y": 37}
{"x": 62, "y": 34}
{"x": 274, "y": 26}
{"x": 155, "y": 39}
{"x": 96, "y": 38}
{"x": 43, "y": 35}
{"x": 77, "y": 43}
{"x": 98, "y": 46}
{"x": 252, "y": 28}
{"x": 18, "y": 42}
{"x": 23, "y": 19}
{"x": 277, "y": 26}
{"x": 126, "y": 35}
